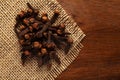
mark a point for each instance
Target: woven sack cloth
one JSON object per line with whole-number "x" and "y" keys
{"x": 10, "y": 61}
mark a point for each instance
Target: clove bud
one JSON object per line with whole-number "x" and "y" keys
{"x": 37, "y": 45}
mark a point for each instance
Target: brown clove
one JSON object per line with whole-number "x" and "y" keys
{"x": 57, "y": 59}
{"x": 24, "y": 56}
{"x": 45, "y": 27}
{"x": 22, "y": 33}
{"x": 40, "y": 61}
{"x": 69, "y": 44}
{"x": 33, "y": 10}
{"x": 55, "y": 16}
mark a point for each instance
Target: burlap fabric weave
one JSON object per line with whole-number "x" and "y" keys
{"x": 10, "y": 62}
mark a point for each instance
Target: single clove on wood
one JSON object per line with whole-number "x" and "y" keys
{"x": 39, "y": 38}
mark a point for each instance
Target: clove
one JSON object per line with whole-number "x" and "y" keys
{"x": 55, "y": 16}
{"x": 57, "y": 59}
{"x": 40, "y": 61}
{"x": 22, "y": 33}
{"x": 33, "y": 10}
{"x": 69, "y": 44}
{"x": 24, "y": 56}
{"x": 29, "y": 6}
{"x": 45, "y": 27}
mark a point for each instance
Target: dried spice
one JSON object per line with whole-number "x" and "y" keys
{"x": 39, "y": 38}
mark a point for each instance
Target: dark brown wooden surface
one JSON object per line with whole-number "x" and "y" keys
{"x": 100, "y": 57}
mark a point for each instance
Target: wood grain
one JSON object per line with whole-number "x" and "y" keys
{"x": 100, "y": 57}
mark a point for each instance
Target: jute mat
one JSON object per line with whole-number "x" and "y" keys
{"x": 10, "y": 62}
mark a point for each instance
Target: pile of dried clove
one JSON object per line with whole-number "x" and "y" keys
{"x": 39, "y": 38}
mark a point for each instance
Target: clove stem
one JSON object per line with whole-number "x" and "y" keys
{"x": 29, "y": 5}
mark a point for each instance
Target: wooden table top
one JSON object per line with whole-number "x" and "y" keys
{"x": 100, "y": 57}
